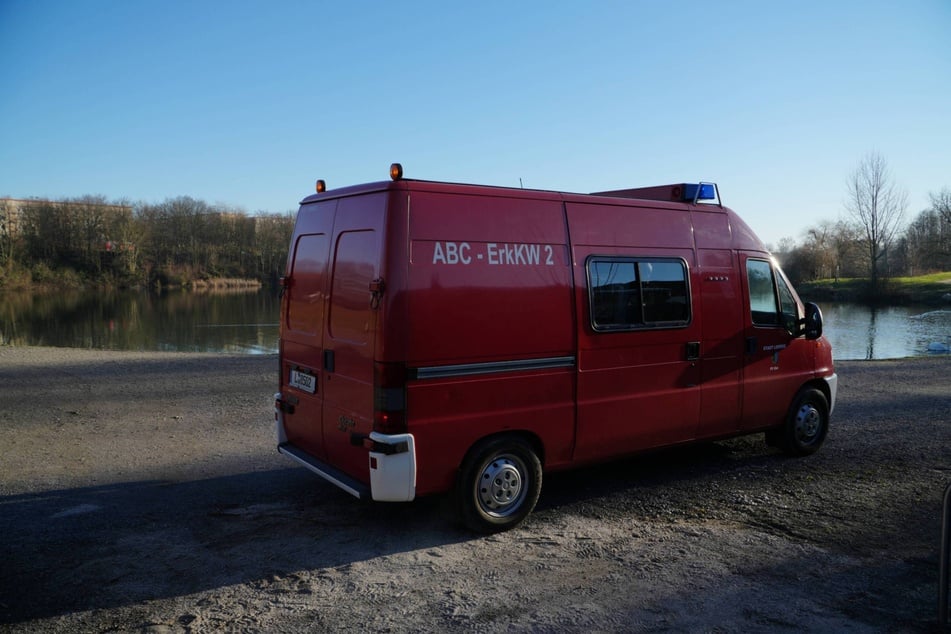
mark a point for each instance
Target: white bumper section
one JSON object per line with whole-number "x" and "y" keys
{"x": 832, "y": 382}
{"x": 393, "y": 470}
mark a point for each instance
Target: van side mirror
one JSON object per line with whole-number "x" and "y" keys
{"x": 812, "y": 324}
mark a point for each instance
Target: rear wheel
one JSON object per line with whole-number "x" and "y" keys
{"x": 807, "y": 424}
{"x": 499, "y": 484}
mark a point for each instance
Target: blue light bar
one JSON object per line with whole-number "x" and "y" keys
{"x": 707, "y": 191}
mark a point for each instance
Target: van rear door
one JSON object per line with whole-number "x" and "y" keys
{"x": 302, "y": 329}
{"x": 350, "y": 331}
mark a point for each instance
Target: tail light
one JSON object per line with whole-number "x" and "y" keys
{"x": 389, "y": 398}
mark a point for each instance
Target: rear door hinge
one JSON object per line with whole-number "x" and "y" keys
{"x": 377, "y": 288}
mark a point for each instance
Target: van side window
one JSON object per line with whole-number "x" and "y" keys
{"x": 764, "y": 307}
{"x": 631, "y": 293}
{"x": 786, "y": 301}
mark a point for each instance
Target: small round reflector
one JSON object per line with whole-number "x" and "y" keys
{"x": 321, "y": 186}
{"x": 396, "y": 171}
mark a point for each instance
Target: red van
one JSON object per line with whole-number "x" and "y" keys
{"x": 445, "y": 337}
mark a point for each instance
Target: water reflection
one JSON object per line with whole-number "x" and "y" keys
{"x": 861, "y": 332}
{"x": 870, "y": 354}
{"x": 247, "y": 323}
{"x": 243, "y": 322}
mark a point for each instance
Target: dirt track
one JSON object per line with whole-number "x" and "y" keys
{"x": 142, "y": 491}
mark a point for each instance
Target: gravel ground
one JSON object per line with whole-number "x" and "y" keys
{"x": 143, "y": 492}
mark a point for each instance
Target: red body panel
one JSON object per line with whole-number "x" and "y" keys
{"x": 482, "y": 298}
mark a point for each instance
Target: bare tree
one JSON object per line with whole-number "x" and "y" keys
{"x": 878, "y": 205}
{"x": 928, "y": 237}
{"x": 941, "y": 203}
{"x": 848, "y": 249}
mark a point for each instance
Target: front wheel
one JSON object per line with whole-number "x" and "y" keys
{"x": 499, "y": 484}
{"x": 807, "y": 423}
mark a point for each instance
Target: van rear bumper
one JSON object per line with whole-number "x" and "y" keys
{"x": 393, "y": 467}
{"x": 391, "y": 462}
{"x": 351, "y": 485}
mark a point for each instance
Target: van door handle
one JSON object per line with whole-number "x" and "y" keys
{"x": 693, "y": 350}
{"x": 751, "y": 345}
{"x": 329, "y": 360}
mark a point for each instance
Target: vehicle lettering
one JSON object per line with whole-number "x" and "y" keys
{"x": 452, "y": 253}
{"x": 494, "y": 254}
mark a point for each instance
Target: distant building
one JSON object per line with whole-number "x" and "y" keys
{"x": 11, "y": 211}
{"x": 10, "y": 216}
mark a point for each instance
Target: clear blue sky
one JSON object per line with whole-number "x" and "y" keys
{"x": 247, "y": 103}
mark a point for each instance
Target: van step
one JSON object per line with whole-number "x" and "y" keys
{"x": 335, "y": 476}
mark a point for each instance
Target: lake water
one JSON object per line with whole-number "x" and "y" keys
{"x": 860, "y": 332}
{"x": 247, "y": 323}
{"x": 240, "y": 322}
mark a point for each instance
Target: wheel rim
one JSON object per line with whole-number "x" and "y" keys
{"x": 502, "y": 486}
{"x": 808, "y": 424}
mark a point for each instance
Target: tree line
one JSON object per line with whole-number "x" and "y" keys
{"x": 872, "y": 240}
{"x": 179, "y": 241}
{"x": 183, "y": 240}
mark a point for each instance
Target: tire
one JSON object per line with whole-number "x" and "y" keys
{"x": 807, "y": 424}
{"x": 499, "y": 484}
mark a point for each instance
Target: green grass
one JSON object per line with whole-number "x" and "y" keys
{"x": 933, "y": 289}
{"x": 939, "y": 278}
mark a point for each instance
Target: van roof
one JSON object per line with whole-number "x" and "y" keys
{"x": 676, "y": 195}
{"x": 679, "y": 196}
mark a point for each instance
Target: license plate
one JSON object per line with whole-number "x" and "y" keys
{"x": 303, "y": 381}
